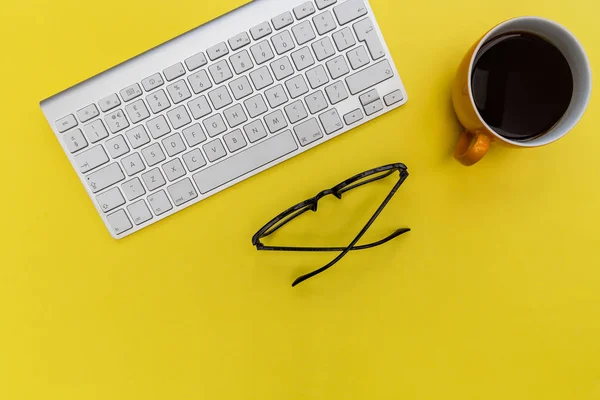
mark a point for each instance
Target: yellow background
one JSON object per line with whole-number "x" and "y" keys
{"x": 495, "y": 294}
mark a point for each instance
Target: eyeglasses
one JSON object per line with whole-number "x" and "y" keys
{"x": 311, "y": 205}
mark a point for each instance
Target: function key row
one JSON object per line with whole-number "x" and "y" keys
{"x": 324, "y": 23}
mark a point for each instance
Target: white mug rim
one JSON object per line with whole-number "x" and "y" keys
{"x": 542, "y": 139}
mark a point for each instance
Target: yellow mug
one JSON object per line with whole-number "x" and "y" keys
{"x": 475, "y": 141}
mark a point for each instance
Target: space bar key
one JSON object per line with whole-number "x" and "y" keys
{"x": 245, "y": 162}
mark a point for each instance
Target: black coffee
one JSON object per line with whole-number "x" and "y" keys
{"x": 522, "y": 85}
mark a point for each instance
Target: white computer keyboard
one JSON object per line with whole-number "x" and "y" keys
{"x": 221, "y": 103}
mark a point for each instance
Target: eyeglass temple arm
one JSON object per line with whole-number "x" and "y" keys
{"x": 358, "y": 237}
{"x": 394, "y": 235}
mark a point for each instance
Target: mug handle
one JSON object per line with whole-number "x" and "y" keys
{"x": 471, "y": 147}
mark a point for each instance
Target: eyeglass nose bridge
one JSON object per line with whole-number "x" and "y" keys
{"x": 324, "y": 193}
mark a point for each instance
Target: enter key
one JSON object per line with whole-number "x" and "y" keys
{"x": 365, "y": 31}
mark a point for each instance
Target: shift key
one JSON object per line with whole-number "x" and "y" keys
{"x": 370, "y": 77}
{"x": 105, "y": 177}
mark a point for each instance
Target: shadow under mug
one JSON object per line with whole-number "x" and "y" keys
{"x": 475, "y": 141}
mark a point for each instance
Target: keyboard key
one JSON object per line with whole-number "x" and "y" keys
{"x": 214, "y": 125}
{"x": 358, "y": 57}
{"x": 137, "y": 111}
{"x": 262, "y": 52}
{"x": 331, "y": 121}
{"x": 239, "y": 41}
{"x": 158, "y": 127}
{"x": 235, "y": 116}
{"x": 296, "y": 111}
{"x": 179, "y": 117}
{"x": 92, "y": 158}
{"x": 282, "y": 20}
{"x": 133, "y": 164}
{"x": 261, "y": 78}
{"x": 139, "y": 212}
{"x": 131, "y": 92}
{"x": 95, "y": 131}
{"x": 199, "y": 107}
{"x": 214, "y": 150}
{"x": 179, "y": 91}
{"x": 182, "y": 192}
{"x": 373, "y": 107}
{"x": 220, "y": 71}
{"x": 194, "y": 160}
{"x": 87, "y": 113}
{"x": 336, "y": 92}
{"x": 153, "y": 154}
{"x": 240, "y": 88}
{"x": 109, "y": 102}
{"x": 153, "y": 179}
{"x": 324, "y": 22}
{"x": 174, "y": 72}
{"x": 369, "y": 97}
{"x": 220, "y": 97}
{"x": 217, "y": 51}
{"x": 317, "y": 77}
{"x": 174, "y": 145}
{"x": 110, "y": 199}
{"x": 66, "y": 123}
{"x": 244, "y": 162}
{"x": 256, "y": 106}
{"x": 323, "y": 48}
{"x": 316, "y": 102}
{"x": 369, "y": 77}
{"x": 119, "y": 222}
{"x": 283, "y": 42}
{"x": 200, "y": 81}
{"x": 137, "y": 136}
{"x": 159, "y": 202}
{"x": 174, "y": 169}
{"x": 337, "y": 67}
{"x": 105, "y": 177}
{"x": 296, "y": 86}
{"x": 158, "y": 101}
{"x": 255, "y": 131}
{"x": 282, "y": 68}
{"x": 276, "y": 96}
{"x": 393, "y": 98}
{"x": 194, "y": 135}
{"x": 235, "y": 141}
{"x": 365, "y": 32}
{"x": 133, "y": 189}
{"x": 308, "y": 132}
{"x": 321, "y": 4}
{"x": 276, "y": 121}
{"x": 152, "y": 82}
{"x": 75, "y": 141}
{"x": 349, "y": 11}
{"x": 116, "y": 121}
{"x": 344, "y": 39}
{"x": 196, "y": 61}
{"x": 303, "y": 58}
{"x": 303, "y": 32}
{"x": 353, "y": 117}
{"x": 117, "y": 146}
{"x": 304, "y": 10}
{"x": 261, "y": 30}
{"x": 241, "y": 62}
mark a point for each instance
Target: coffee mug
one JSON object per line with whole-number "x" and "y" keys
{"x": 475, "y": 141}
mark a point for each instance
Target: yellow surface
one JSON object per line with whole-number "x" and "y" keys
{"x": 494, "y": 295}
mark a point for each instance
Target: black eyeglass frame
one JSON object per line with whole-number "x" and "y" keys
{"x": 312, "y": 205}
